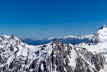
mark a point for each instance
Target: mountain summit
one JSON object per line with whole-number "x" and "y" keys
{"x": 102, "y": 33}
{"x": 16, "y": 56}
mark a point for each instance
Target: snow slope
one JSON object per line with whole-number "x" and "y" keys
{"x": 101, "y": 46}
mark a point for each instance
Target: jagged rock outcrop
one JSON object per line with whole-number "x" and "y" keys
{"x": 16, "y": 56}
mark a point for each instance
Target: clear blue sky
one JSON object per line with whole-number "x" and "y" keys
{"x": 45, "y": 18}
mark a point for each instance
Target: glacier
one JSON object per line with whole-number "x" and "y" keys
{"x": 56, "y": 56}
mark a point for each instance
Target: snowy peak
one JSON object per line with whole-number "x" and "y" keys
{"x": 90, "y": 36}
{"x": 102, "y": 34}
{"x": 16, "y": 56}
{"x": 56, "y": 56}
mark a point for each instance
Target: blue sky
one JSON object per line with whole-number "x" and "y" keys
{"x": 45, "y": 18}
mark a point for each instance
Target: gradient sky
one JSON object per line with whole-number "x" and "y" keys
{"x": 51, "y": 18}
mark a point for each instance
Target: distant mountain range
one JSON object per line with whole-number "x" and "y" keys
{"x": 66, "y": 39}
{"x": 85, "y": 54}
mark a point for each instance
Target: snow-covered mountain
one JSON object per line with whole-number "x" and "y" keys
{"x": 102, "y": 34}
{"x": 16, "y": 56}
{"x": 90, "y": 36}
